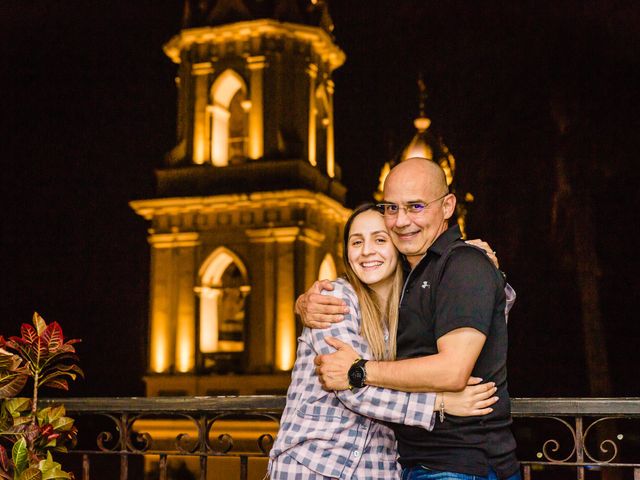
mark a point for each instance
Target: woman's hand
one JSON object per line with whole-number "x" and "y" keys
{"x": 475, "y": 399}
{"x": 491, "y": 253}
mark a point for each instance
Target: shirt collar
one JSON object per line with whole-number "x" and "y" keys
{"x": 438, "y": 247}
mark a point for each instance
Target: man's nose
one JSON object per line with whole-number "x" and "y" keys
{"x": 402, "y": 218}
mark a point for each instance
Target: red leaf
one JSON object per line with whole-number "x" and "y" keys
{"x": 4, "y": 458}
{"x": 14, "y": 384}
{"x": 52, "y": 336}
{"x": 28, "y": 333}
{"x": 57, "y": 383}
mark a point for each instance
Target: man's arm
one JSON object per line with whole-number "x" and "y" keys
{"x": 448, "y": 370}
{"x": 382, "y": 404}
{"x": 317, "y": 310}
{"x": 464, "y": 309}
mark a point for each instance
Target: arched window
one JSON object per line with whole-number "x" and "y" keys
{"x": 223, "y": 290}
{"x": 229, "y": 118}
{"x": 327, "y": 268}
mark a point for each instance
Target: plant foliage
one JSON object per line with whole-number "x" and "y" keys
{"x": 28, "y": 433}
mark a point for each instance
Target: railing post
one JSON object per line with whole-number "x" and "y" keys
{"x": 527, "y": 472}
{"x": 124, "y": 459}
{"x": 203, "y": 445}
{"x": 579, "y": 447}
{"x": 162, "y": 466}
{"x": 636, "y": 473}
{"x": 85, "y": 466}
{"x": 243, "y": 467}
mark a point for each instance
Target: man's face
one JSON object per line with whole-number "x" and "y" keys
{"x": 414, "y": 232}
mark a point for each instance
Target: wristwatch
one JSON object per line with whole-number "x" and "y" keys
{"x": 357, "y": 374}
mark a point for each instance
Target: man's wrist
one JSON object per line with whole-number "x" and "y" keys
{"x": 372, "y": 372}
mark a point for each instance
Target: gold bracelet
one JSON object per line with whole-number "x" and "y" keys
{"x": 441, "y": 411}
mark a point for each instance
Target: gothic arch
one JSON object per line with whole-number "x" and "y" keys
{"x": 224, "y": 286}
{"x": 228, "y": 117}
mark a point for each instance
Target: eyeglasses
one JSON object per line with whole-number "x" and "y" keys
{"x": 411, "y": 208}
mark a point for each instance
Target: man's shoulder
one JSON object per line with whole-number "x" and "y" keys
{"x": 465, "y": 255}
{"x": 471, "y": 265}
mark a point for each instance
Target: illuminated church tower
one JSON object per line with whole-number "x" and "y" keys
{"x": 426, "y": 144}
{"x": 248, "y": 210}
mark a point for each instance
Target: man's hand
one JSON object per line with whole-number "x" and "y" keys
{"x": 333, "y": 369}
{"x": 317, "y": 310}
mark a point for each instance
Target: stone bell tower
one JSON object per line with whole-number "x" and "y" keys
{"x": 248, "y": 209}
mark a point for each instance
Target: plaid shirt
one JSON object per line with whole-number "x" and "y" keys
{"x": 336, "y": 434}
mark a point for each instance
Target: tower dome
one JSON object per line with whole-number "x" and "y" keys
{"x": 427, "y": 144}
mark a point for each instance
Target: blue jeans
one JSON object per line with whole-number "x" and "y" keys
{"x": 423, "y": 473}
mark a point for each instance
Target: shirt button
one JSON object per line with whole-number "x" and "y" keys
{"x": 356, "y": 453}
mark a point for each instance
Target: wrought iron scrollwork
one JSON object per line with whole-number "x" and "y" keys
{"x": 603, "y": 444}
{"x": 555, "y": 445}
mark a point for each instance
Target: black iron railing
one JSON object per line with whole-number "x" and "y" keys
{"x": 230, "y": 437}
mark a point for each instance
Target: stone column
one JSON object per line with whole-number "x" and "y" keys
{"x": 312, "y": 71}
{"x": 256, "y": 66}
{"x": 201, "y": 115}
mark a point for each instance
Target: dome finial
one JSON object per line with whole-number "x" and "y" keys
{"x": 422, "y": 93}
{"x": 422, "y": 122}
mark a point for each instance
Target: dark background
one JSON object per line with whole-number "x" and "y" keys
{"x": 88, "y": 103}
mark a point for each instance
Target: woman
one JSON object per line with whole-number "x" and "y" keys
{"x": 325, "y": 435}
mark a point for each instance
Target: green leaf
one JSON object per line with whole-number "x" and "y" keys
{"x": 62, "y": 424}
{"x": 56, "y": 412}
{"x": 39, "y": 323}
{"x": 31, "y": 473}
{"x": 51, "y": 470}
{"x": 17, "y": 405}
{"x": 19, "y": 455}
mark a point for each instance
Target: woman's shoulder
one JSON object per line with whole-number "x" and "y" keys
{"x": 341, "y": 288}
{"x": 340, "y": 285}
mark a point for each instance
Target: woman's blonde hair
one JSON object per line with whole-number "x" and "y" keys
{"x": 376, "y": 313}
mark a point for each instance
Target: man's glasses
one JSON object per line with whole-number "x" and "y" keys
{"x": 411, "y": 208}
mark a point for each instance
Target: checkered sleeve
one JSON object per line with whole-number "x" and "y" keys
{"x": 510, "y": 293}
{"x": 415, "y": 409}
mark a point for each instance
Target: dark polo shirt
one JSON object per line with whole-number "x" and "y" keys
{"x": 470, "y": 294}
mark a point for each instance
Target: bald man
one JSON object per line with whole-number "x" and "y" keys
{"x": 442, "y": 339}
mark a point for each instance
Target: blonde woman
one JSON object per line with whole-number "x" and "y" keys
{"x": 342, "y": 435}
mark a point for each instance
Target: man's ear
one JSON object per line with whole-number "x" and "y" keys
{"x": 449, "y": 206}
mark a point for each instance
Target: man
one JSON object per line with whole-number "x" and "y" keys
{"x": 439, "y": 345}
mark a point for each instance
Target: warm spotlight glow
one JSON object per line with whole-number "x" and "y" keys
{"x": 159, "y": 362}
{"x": 285, "y": 339}
{"x": 327, "y": 268}
{"x": 209, "y": 319}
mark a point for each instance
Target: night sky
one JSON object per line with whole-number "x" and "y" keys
{"x": 88, "y": 109}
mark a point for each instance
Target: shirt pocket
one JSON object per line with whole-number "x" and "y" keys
{"x": 324, "y": 420}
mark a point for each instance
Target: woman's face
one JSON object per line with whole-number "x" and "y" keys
{"x": 370, "y": 251}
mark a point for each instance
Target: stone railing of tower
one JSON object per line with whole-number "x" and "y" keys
{"x": 558, "y": 438}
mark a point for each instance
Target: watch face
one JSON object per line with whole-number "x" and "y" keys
{"x": 357, "y": 376}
